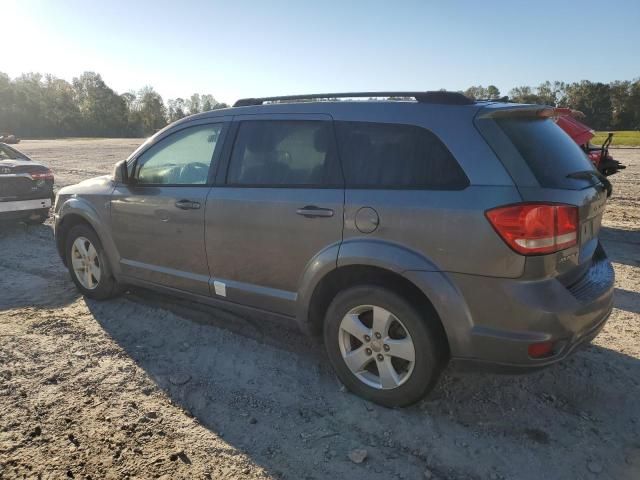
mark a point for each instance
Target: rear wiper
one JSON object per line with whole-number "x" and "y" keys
{"x": 590, "y": 174}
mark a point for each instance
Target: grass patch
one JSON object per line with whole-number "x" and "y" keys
{"x": 622, "y": 138}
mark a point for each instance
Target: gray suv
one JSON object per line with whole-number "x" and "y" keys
{"x": 403, "y": 232}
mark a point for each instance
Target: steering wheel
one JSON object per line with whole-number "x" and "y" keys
{"x": 196, "y": 172}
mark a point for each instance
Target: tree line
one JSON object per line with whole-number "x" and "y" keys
{"x": 607, "y": 106}
{"x": 36, "y": 105}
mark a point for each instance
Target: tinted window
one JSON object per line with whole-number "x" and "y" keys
{"x": 389, "y": 155}
{"x": 183, "y": 158}
{"x": 550, "y": 153}
{"x": 273, "y": 152}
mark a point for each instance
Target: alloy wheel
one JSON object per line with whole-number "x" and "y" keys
{"x": 376, "y": 347}
{"x": 86, "y": 263}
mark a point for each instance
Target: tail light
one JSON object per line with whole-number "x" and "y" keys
{"x": 42, "y": 175}
{"x": 536, "y": 228}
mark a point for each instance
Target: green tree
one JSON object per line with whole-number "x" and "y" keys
{"x": 152, "y": 110}
{"x": 594, "y": 100}
{"x": 524, "y": 94}
{"x": 175, "y": 109}
{"x": 193, "y": 104}
{"x": 549, "y": 93}
{"x": 103, "y": 112}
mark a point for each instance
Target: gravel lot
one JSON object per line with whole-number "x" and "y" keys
{"x": 147, "y": 386}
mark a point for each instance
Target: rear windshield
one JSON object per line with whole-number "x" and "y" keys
{"x": 550, "y": 153}
{"x": 8, "y": 153}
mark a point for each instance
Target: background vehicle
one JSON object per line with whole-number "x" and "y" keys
{"x": 26, "y": 187}
{"x": 9, "y": 138}
{"x": 567, "y": 119}
{"x": 405, "y": 233}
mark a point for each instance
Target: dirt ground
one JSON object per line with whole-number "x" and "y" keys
{"x": 146, "y": 386}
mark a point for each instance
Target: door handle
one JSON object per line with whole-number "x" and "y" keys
{"x": 187, "y": 205}
{"x": 311, "y": 211}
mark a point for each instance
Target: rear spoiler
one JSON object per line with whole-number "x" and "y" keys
{"x": 518, "y": 111}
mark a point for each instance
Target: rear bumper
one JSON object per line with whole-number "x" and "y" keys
{"x": 505, "y": 316}
{"x": 23, "y": 208}
{"x": 22, "y": 205}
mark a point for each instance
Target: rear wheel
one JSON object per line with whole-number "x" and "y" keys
{"x": 381, "y": 347}
{"x": 88, "y": 264}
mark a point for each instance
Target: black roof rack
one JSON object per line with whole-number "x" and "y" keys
{"x": 442, "y": 97}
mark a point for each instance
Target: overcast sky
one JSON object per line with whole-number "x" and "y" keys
{"x": 240, "y": 48}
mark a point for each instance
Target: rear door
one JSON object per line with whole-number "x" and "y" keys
{"x": 548, "y": 166}
{"x": 158, "y": 217}
{"x": 279, "y": 205}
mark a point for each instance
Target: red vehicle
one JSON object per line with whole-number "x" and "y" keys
{"x": 567, "y": 119}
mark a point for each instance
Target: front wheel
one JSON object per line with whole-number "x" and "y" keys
{"x": 381, "y": 347}
{"x": 88, "y": 265}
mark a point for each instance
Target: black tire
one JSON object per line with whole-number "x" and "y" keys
{"x": 428, "y": 343}
{"x": 107, "y": 286}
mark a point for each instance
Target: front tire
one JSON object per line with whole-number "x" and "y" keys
{"x": 381, "y": 347}
{"x": 88, "y": 264}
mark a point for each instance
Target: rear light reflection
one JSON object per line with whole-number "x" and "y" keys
{"x": 540, "y": 350}
{"x": 536, "y": 228}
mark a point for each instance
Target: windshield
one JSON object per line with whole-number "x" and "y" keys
{"x": 549, "y": 152}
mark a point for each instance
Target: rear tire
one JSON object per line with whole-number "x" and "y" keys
{"x": 381, "y": 347}
{"x": 88, "y": 264}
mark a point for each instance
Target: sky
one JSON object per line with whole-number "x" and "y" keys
{"x": 241, "y": 48}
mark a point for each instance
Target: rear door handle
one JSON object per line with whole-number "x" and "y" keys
{"x": 187, "y": 205}
{"x": 311, "y": 211}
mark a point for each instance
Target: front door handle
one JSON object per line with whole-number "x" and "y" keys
{"x": 311, "y": 211}
{"x": 187, "y": 205}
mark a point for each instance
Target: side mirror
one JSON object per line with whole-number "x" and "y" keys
{"x": 121, "y": 173}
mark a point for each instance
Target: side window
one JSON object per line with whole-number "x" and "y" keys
{"x": 183, "y": 158}
{"x": 284, "y": 152}
{"x": 386, "y": 155}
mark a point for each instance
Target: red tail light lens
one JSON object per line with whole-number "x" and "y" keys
{"x": 47, "y": 175}
{"x": 536, "y": 228}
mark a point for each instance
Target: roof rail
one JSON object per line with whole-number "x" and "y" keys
{"x": 504, "y": 99}
{"x": 442, "y": 97}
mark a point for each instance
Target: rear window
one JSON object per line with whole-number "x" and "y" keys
{"x": 548, "y": 151}
{"x": 385, "y": 155}
{"x": 7, "y": 153}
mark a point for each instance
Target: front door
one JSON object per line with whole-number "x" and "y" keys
{"x": 158, "y": 216}
{"x": 281, "y": 205}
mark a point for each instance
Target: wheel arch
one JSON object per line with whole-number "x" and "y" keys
{"x": 344, "y": 277}
{"x": 74, "y": 212}
{"x": 407, "y": 272}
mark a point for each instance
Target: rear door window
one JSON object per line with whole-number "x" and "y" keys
{"x": 284, "y": 153}
{"x": 385, "y": 155}
{"x": 548, "y": 151}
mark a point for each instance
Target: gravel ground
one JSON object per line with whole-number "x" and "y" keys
{"x": 146, "y": 386}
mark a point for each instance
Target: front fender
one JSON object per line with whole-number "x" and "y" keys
{"x": 95, "y": 215}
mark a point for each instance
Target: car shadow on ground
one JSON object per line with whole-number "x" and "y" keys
{"x": 270, "y": 392}
{"x": 31, "y": 272}
{"x": 627, "y": 300}
{"x": 622, "y": 246}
